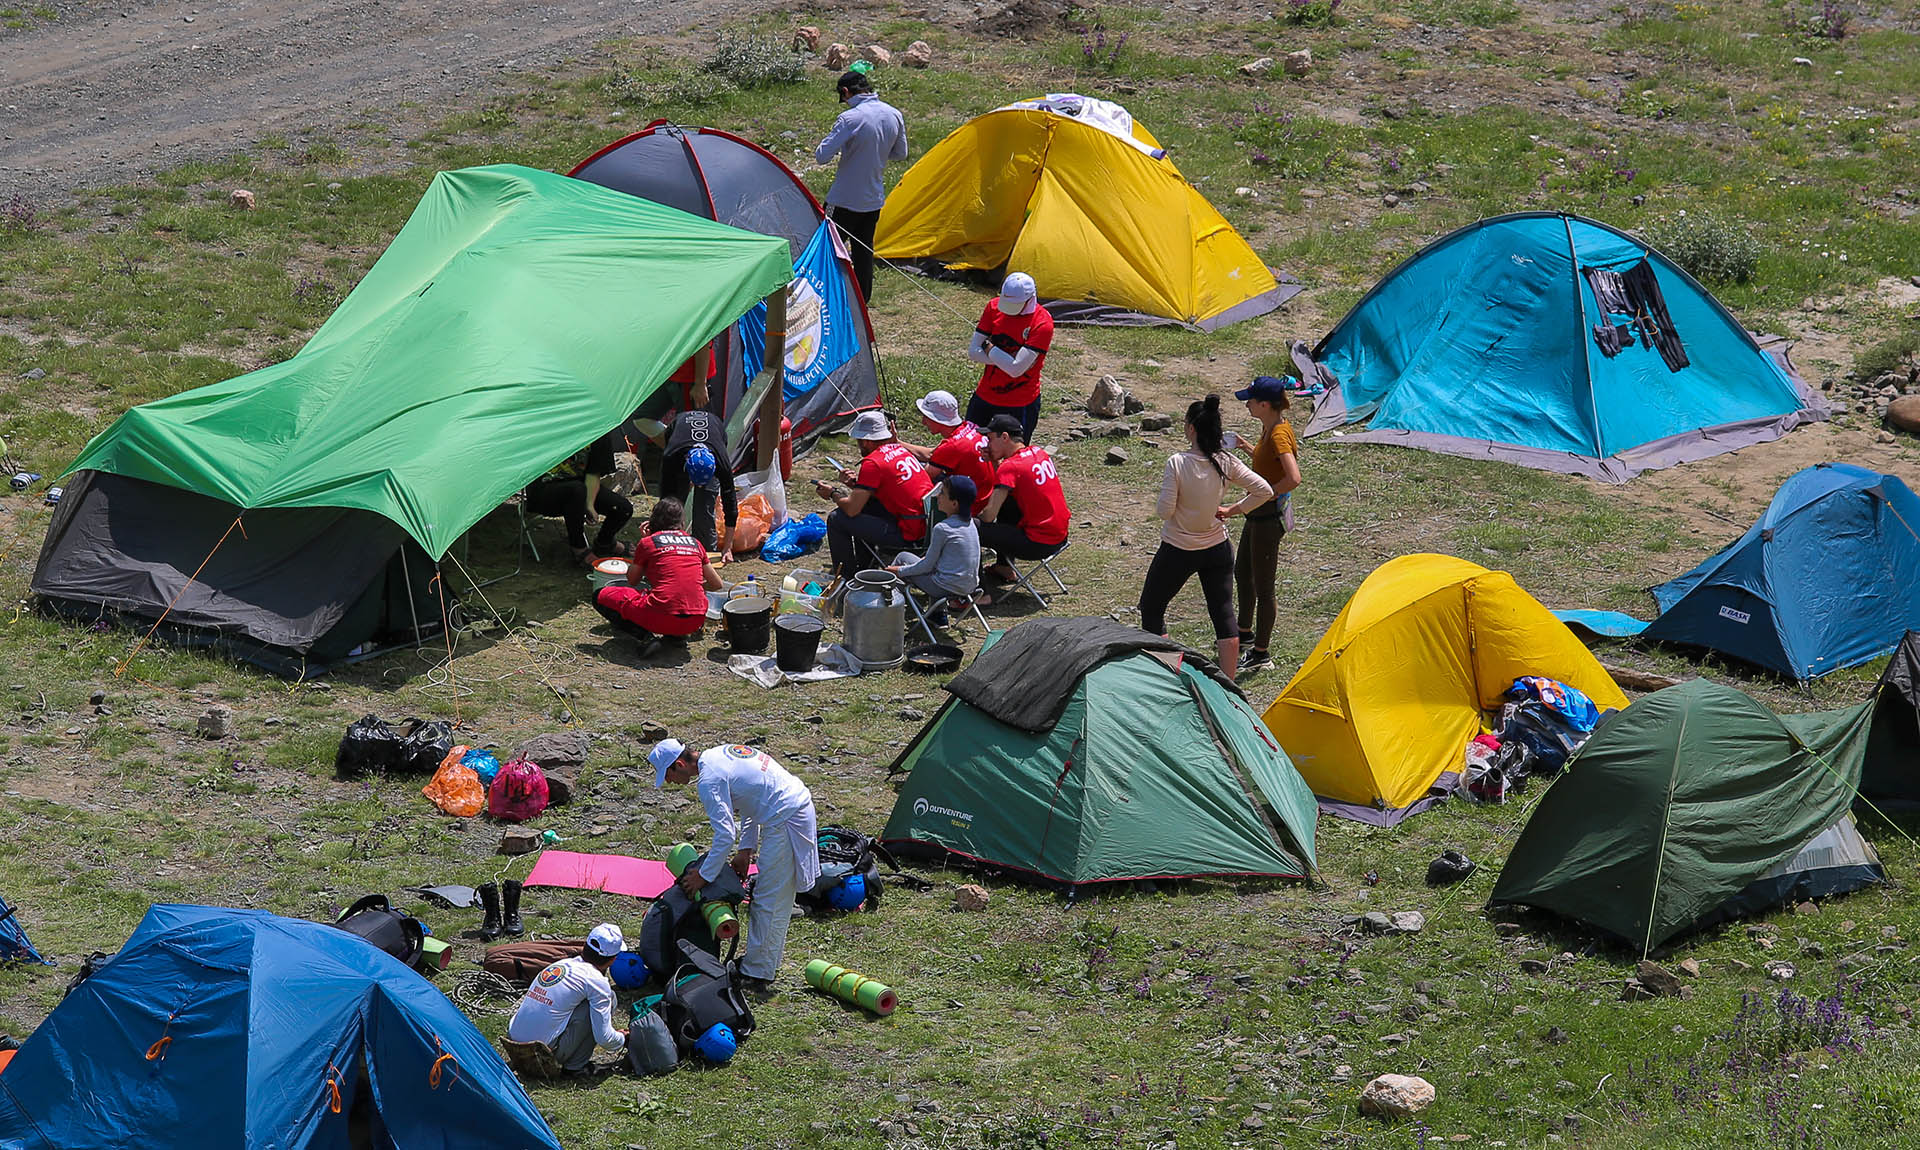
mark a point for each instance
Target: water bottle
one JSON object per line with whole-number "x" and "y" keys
{"x": 747, "y": 589}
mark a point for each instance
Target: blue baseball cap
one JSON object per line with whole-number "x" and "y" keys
{"x": 1267, "y": 387}
{"x": 664, "y": 754}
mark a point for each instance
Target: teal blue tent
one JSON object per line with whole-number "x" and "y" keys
{"x": 1558, "y": 343}
{"x": 238, "y": 1028}
{"x": 1771, "y": 598}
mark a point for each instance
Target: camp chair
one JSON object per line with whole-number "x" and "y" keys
{"x": 919, "y": 613}
{"x": 1024, "y": 579}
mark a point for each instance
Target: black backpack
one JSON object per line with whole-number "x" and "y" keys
{"x": 843, "y": 853}
{"x": 675, "y": 918}
{"x": 374, "y": 919}
{"x": 702, "y": 992}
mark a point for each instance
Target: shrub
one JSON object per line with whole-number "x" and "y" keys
{"x": 1097, "y": 52}
{"x": 748, "y": 61}
{"x": 1829, "y": 21}
{"x": 17, "y": 216}
{"x": 1312, "y": 13}
{"x": 1710, "y": 246}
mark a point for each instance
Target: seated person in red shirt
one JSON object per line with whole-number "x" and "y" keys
{"x": 1010, "y": 344}
{"x": 886, "y": 508}
{"x": 1027, "y": 517}
{"x": 960, "y": 447}
{"x": 676, "y": 574}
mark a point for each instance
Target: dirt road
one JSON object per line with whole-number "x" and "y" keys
{"x": 110, "y": 91}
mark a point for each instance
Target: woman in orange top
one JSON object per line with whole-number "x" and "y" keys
{"x": 1276, "y": 460}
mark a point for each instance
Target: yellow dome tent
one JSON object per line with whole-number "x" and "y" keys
{"x": 1074, "y": 193}
{"x": 1390, "y": 696}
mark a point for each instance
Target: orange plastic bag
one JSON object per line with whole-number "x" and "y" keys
{"x": 456, "y": 789}
{"x": 756, "y": 519}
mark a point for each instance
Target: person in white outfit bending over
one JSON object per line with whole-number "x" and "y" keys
{"x": 762, "y": 814}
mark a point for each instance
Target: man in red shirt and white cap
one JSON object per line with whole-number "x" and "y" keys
{"x": 961, "y": 448}
{"x": 887, "y": 507}
{"x": 1010, "y": 342}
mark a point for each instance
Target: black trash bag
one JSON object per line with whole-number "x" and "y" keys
{"x": 368, "y": 747}
{"x": 424, "y": 746}
{"x": 1451, "y": 867}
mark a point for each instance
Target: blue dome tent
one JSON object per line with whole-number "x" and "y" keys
{"x": 1557, "y": 343}
{"x": 238, "y": 1028}
{"x": 1828, "y": 578}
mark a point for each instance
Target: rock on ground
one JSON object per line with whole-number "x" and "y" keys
{"x": 1396, "y": 1096}
{"x": 876, "y": 55}
{"x": 1299, "y": 63}
{"x": 971, "y": 897}
{"x": 1904, "y": 413}
{"x": 919, "y": 55}
{"x": 806, "y": 39}
{"x": 1108, "y": 399}
{"x": 562, "y": 749}
{"x": 1258, "y": 67}
{"x": 838, "y": 57}
{"x": 215, "y": 723}
{"x": 1657, "y": 979}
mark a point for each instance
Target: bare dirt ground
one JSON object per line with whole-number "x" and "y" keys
{"x": 109, "y": 92}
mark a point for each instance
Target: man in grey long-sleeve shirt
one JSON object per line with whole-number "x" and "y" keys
{"x": 865, "y": 136}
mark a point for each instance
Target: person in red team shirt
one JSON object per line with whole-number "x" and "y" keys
{"x": 887, "y": 507}
{"x": 677, "y": 575}
{"x": 1010, "y": 342}
{"x": 961, "y": 448}
{"x": 1027, "y": 517}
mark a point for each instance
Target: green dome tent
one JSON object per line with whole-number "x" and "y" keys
{"x": 1694, "y": 805}
{"x": 1082, "y": 751}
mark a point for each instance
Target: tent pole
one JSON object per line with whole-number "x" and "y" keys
{"x": 768, "y": 436}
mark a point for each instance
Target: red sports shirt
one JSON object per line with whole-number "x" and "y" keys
{"x": 898, "y": 481}
{"x": 1038, "y": 494}
{"x": 674, "y": 565}
{"x": 965, "y": 453}
{"x": 1034, "y": 330}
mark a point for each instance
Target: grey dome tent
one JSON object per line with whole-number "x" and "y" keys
{"x": 720, "y": 176}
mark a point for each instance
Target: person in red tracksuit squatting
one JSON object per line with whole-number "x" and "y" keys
{"x": 887, "y": 507}
{"x": 677, "y": 576}
{"x": 1010, "y": 342}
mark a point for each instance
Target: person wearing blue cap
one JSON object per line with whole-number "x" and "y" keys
{"x": 692, "y": 472}
{"x": 950, "y": 569}
{"x": 1257, "y": 565}
{"x": 759, "y": 814}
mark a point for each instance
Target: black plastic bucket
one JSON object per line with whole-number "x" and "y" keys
{"x": 796, "y": 640}
{"x": 748, "y": 621}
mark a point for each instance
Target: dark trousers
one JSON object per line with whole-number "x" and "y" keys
{"x": 1254, "y": 570}
{"x": 1011, "y": 541}
{"x": 873, "y": 526}
{"x": 979, "y": 411}
{"x": 858, "y": 228}
{"x": 567, "y": 499}
{"x": 1171, "y": 568}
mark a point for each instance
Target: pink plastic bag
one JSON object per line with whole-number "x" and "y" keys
{"x": 519, "y": 792}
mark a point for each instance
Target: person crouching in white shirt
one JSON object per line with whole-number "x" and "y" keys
{"x": 759, "y": 813}
{"x": 569, "y": 1007}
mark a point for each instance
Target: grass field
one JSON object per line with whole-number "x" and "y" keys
{"x": 1207, "y": 1014}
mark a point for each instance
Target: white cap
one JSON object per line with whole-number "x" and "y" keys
{"x": 869, "y": 426}
{"x": 940, "y": 407}
{"x": 664, "y": 754}
{"x": 606, "y": 940}
{"x": 1016, "y": 294}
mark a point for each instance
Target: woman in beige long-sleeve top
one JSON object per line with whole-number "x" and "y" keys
{"x": 1194, "y": 539}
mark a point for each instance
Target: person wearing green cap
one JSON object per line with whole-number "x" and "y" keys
{"x": 864, "y": 137}
{"x": 759, "y": 814}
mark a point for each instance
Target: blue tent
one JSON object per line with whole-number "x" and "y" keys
{"x": 1557, "y": 343}
{"x": 14, "y": 944}
{"x": 1828, "y": 578}
{"x": 236, "y": 1028}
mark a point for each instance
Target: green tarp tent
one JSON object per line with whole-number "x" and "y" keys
{"x": 1694, "y": 805}
{"x": 517, "y": 315}
{"x": 1150, "y": 767}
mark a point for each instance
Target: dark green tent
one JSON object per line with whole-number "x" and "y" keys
{"x": 1081, "y": 751}
{"x": 1892, "y": 775}
{"x": 1694, "y": 805}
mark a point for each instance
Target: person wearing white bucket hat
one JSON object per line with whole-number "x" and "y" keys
{"x": 1010, "y": 343}
{"x": 759, "y": 814}
{"x": 886, "y": 508}
{"x": 960, "y": 447}
{"x": 569, "y": 1006}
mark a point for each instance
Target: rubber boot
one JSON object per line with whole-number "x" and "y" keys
{"x": 510, "y": 897}
{"x": 490, "y": 902}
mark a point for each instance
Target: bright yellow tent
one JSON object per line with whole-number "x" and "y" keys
{"x": 1396, "y": 687}
{"x": 1074, "y": 193}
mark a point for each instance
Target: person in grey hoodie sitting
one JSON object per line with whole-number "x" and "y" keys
{"x": 950, "y": 569}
